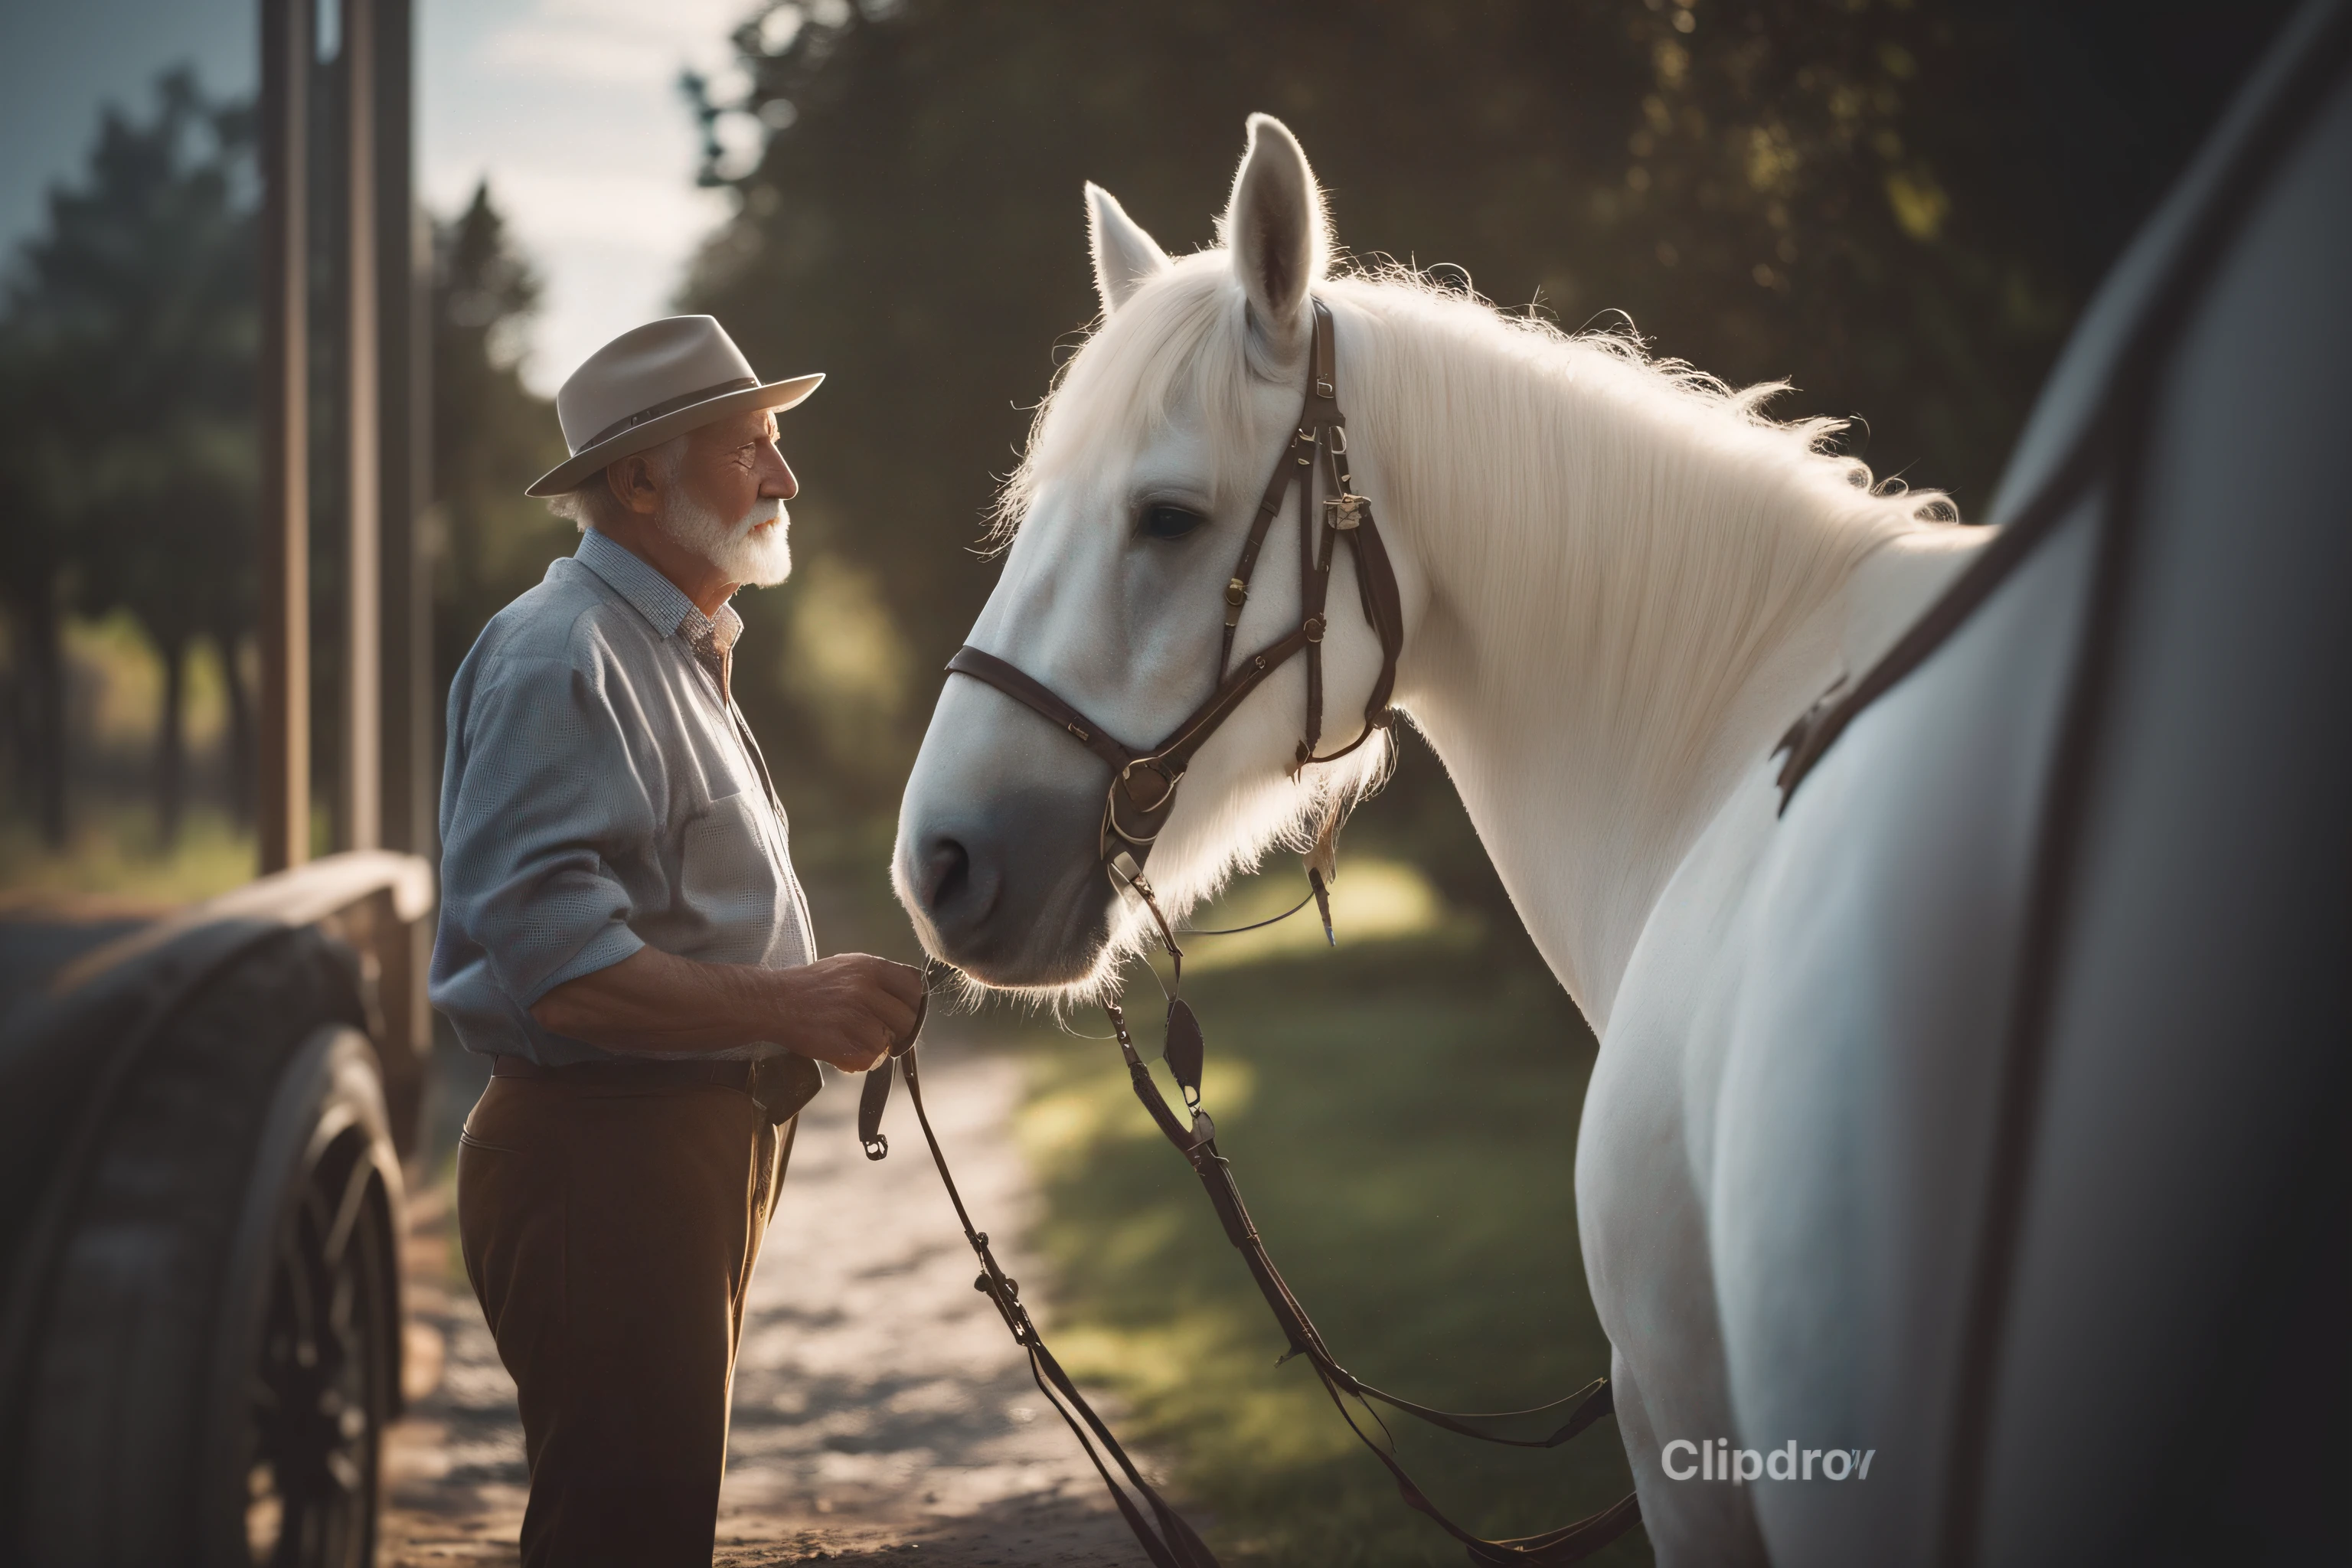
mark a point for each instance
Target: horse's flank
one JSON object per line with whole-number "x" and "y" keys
{"x": 1632, "y": 579}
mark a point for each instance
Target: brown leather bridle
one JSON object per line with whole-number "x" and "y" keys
{"x": 1136, "y": 807}
{"x": 1142, "y": 791}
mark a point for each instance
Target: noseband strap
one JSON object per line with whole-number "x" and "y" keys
{"x": 1142, "y": 790}
{"x": 1010, "y": 681}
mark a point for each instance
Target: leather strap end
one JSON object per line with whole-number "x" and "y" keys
{"x": 872, "y": 1101}
{"x": 784, "y": 1085}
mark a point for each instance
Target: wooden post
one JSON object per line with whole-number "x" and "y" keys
{"x": 403, "y": 306}
{"x": 359, "y": 814}
{"x": 411, "y": 716}
{"x": 283, "y": 779}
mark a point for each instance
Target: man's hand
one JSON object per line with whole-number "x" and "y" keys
{"x": 848, "y": 1010}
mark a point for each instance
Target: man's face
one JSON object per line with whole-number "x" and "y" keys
{"x": 728, "y": 503}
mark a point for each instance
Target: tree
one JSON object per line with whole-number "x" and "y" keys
{"x": 35, "y": 542}
{"x": 133, "y": 325}
{"x": 491, "y": 435}
{"x": 1880, "y": 200}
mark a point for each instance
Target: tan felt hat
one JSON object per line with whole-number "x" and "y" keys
{"x": 650, "y": 384}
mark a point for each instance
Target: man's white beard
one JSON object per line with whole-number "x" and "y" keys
{"x": 757, "y": 560}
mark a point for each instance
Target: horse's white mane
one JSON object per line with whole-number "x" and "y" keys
{"x": 1641, "y": 535}
{"x": 1185, "y": 338}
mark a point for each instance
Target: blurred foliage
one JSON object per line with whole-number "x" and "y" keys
{"x": 127, "y": 452}
{"x": 1403, "y": 1119}
{"x": 117, "y": 854}
{"x": 491, "y": 434}
{"x": 1897, "y": 204}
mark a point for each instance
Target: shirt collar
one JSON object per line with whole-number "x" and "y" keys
{"x": 654, "y": 596}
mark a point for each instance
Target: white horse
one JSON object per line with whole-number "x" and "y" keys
{"x": 1621, "y": 583}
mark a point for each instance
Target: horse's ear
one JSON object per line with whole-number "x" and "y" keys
{"x": 1276, "y": 228}
{"x": 1124, "y": 255}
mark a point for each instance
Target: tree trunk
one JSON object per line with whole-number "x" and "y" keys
{"x": 171, "y": 749}
{"x": 20, "y": 702}
{"x": 241, "y": 740}
{"x": 41, "y": 669}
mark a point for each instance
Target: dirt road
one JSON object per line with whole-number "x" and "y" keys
{"x": 882, "y": 1413}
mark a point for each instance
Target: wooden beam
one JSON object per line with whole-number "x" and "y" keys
{"x": 283, "y": 778}
{"x": 360, "y": 814}
{"x": 412, "y": 717}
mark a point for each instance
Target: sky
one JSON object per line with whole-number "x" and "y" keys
{"x": 59, "y": 63}
{"x": 569, "y": 108}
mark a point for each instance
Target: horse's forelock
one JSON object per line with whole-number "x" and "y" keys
{"x": 1182, "y": 340}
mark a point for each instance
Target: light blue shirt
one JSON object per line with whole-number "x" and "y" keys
{"x": 602, "y": 794}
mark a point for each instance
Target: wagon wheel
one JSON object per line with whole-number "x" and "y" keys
{"x": 317, "y": 1401}
{"x": 219, "y": 1349}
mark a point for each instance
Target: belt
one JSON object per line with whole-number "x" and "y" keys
{"x": 781, "y": 1084}
{"x": 634, "y": 1072}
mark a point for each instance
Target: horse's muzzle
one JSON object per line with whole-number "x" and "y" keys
{"x": 999, "y": 856}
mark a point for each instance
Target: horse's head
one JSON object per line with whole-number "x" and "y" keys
{"x": 1143, "y": 473}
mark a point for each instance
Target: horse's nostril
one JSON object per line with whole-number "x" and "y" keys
{"x": 946, "y": 876}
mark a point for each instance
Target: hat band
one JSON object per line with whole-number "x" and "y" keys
{"x": 667, "y": 406}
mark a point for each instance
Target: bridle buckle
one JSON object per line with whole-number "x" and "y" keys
{"x": 1128, "y": 781}
{"x": 1344, "y": 511}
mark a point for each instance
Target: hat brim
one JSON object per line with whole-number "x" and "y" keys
{"x": 575, "y": 470}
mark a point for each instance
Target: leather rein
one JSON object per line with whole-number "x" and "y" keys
{"x": 1136, "y": 807}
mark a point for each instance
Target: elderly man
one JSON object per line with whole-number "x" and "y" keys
{"x": 622, "y": 931}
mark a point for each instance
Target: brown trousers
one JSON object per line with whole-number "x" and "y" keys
{"x": 609, "y": 1233}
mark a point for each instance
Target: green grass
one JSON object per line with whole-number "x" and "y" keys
{"x": 1401, "y": 1116}
{"x": 115, "y": 852}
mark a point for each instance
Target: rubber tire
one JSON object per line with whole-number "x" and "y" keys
{"x": 140, "y": 1426}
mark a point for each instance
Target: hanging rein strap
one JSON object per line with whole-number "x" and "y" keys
{"x": 1197, "y": 1141}
{"x": 1165, "y": 1537}
{"x": 1162, "y": 1532}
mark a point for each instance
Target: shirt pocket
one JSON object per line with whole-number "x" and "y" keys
{"x": 728, "y": 880}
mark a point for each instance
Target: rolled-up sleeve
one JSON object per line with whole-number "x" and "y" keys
{"x": 547, "y": 799}
{"x": 598, "y": 797}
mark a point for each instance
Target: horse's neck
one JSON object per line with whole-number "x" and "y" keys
{"x": 1586, "y": 837}
{"x": 1618, "y": 626}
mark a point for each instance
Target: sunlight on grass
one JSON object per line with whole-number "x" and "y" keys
{"x": 1061, "y": 1123}
{"x": 1401, "y": 1116}
{"x": 1211, "y": 1369}
{"x": 1373, "y": 901}
{"x": 121, "y": 676}
{"x": 115, "y": 853}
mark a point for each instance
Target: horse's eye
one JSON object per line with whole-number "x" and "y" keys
{"x": 1169, "y": 521}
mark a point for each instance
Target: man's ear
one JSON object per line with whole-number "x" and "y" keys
{"x": 632, "y": 481}
{"x": 1276, "y": 229}
{"x": 1124, "y": 255}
